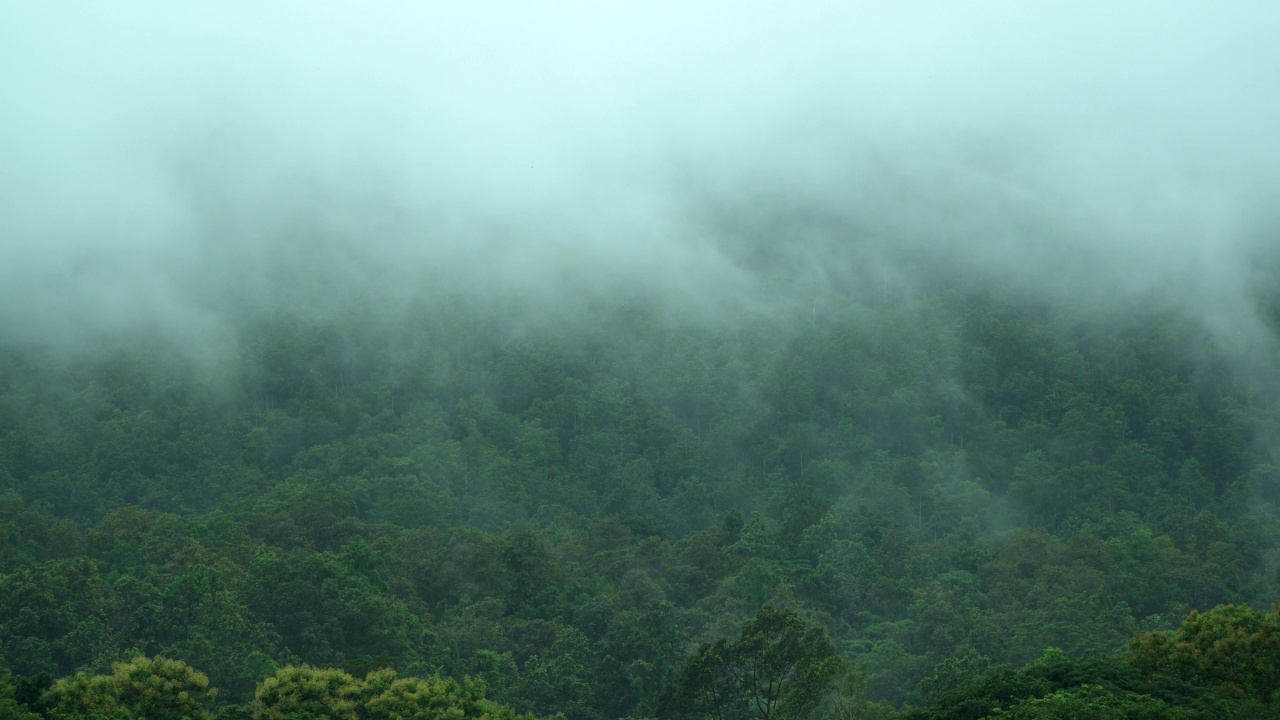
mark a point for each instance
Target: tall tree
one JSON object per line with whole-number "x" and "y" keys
{"x": 152, "y": 688}
{"x": 779, "y": 669}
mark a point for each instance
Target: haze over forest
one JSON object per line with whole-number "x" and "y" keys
{"x": 540, "y": 327}
{"x": 161, "y": 160}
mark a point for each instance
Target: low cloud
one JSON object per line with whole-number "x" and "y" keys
{"x": 161, "y": 158}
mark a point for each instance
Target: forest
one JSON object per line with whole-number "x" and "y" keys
{"x": 931, "y": 497}
{"x": 639, "y": 361}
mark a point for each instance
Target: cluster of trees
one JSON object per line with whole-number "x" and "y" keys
{"x": 1218, "y": 664}
{"x": 566, "y": 512}
{"x": 163, "y": 689}
{"x": 1221, "y": 664}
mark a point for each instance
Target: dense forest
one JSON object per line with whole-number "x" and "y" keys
{"x": 639, "y": 361}
{"x": 896, "y": 489}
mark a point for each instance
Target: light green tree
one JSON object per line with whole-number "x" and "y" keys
{"x": 389, "y": 697}
{"x": 151, "y": 688}
{"x": 308, "y": 693}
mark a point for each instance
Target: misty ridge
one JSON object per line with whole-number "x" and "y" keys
{"x": 580, "y": 361}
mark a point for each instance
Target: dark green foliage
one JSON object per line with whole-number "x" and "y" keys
{"x": 1233, "y": 649}
{"x": 20, "y": 696}
{"x": 1217, "y": 664}
{"x": 778, "y": 669}
{"x": 562, "y": 511}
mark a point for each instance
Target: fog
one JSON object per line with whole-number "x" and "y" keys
{"x": 161, "y": 158}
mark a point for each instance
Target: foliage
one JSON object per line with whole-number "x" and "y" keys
{"x": 151, "y": 688}
{"x": 294, "y": 693}
{"x": 1232, "y": 648}
{"x": 394, "y": 698}
{"x": 298, "y": 692}
{"x": 778, "y": 669}
{"x": 1120, "y": 687}
{"x": 945, "y": 485}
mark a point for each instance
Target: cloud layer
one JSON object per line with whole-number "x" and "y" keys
{"x": 159, "y": 156}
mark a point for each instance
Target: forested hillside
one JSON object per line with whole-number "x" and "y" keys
{"x": 943, "y": 476}
{"x": 639, "y": 361}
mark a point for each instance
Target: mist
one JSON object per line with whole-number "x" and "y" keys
{"x": 160, "y": 161}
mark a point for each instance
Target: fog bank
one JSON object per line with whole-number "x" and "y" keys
{"x": 162, "y": 159}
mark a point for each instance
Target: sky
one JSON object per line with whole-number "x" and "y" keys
{"x": 153, "y": 155}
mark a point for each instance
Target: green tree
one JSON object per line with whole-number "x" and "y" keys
{"x": 18, "y": 694}
{"x": 307, "y": 693}
{"x": 388, "y": 697}
{"x": 1232, "y": 648}
{"x": 143, "y": 688}
{"x": 779, "y": 669}
{"x": 847, "y": 698}
{"x": 1089, "y": 702}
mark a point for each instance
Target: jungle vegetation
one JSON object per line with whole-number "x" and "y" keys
{"x": 961, "y": 501}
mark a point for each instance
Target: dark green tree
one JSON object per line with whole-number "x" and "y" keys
{"x": 1232, "y": 648}
{"x": 779, "y": 669}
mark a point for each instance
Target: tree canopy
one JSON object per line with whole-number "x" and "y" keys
{"x": 844, "y": 515}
